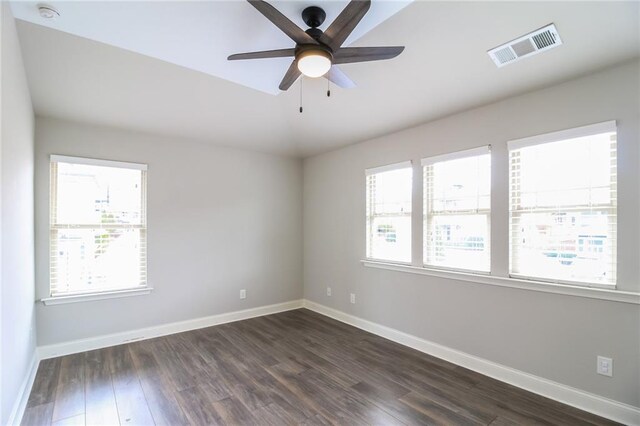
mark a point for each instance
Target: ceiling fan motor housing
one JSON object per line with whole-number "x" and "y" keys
{"x": 314, "y": 32}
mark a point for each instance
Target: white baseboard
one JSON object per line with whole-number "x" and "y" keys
{"x": 586, "y": 401}
{"x": 75, "y": 346}
{"x": 22, "y": 397}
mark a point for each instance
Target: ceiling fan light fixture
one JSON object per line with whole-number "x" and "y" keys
{"x": 314, "y": 62}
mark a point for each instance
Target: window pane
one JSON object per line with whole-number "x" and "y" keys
{"x": 389, "y": 215}
{"x": 571, "y": 246}
{"x": 391, "y": 239}
{"x": 88, "y": 260}
{"x": 91, "y": 195}
{"x": 457, "y": 201}
{"x": 459, "y": 242}
{"x": 461, "y": 185}
{"x": 566, "y": 173}
{"x": 563, "y": 210}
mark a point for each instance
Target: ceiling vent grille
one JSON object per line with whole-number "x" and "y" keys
{"x": 530, "y": 44}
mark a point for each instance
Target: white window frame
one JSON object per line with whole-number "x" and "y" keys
{"x": 584, "y": 131}
{"x": 505, "y": 279}
{"x": 62, "y": 297}
{"x": 427, "y": 199}
{"x": 368, "y": 221}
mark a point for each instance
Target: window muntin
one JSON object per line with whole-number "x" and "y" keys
{"x": 388, "y": 209}
{"x": 97, "y": 226}
{"x": 457, "y": 206}
{"x": 563, "y": 197}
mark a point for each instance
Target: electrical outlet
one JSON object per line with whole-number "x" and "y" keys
{"x": 353, "y": 298}
{"x": 328, "y": 291}
{"x": 243, "y": 294}
{"x": 605, "y": 366}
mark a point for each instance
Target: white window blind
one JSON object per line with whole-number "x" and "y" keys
{"x": 563, "y": 196}
{"x": 457, "y": 208}
{"x": 388, "y": 210}
{"x": 98, "y": 226}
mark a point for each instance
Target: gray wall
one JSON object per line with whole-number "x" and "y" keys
{"x": 18, "y": 341}
{"x": 219, "y": 220}
{"x": 553, "y": 336}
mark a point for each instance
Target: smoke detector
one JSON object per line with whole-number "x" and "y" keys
{"x": 528, "y": 45}
{"x": 48, "y": 12}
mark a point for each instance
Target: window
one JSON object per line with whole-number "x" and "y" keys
{"x": 457, "y": 206}
{"x": 389, "y": 191}
{"x": 98, "y": 226}
{"x": 563, "y": 205}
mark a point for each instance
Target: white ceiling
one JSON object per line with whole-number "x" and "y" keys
{"x": 444, "y": 69}
{"x": 197, "y": 34}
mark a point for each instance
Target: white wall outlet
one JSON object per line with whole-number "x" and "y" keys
{"x": 243, "y": 294}
{"x": 605, "y": 366}
{"x": 353, "y": 298}
{"x": 328, "y": 291}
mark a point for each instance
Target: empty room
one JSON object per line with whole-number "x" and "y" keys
{"x": 297, "y": 212}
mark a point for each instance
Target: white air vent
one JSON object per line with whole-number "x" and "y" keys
{"x": 538, "y": 41}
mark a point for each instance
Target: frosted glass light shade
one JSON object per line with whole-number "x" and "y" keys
{"x": 314, "y": 63}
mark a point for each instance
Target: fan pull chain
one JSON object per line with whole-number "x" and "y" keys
{"x": 329, "y": 83}
{"x": 301, "y": 80}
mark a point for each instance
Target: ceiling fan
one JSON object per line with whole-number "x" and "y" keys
{"x": 317, "y": 53}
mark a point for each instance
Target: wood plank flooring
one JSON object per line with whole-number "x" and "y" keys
{"x": 296, "y": 367}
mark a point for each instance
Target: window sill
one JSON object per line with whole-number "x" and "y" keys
{"x": 75, "y": 298}
{"x": 378, "y": 261}
{"x": 571, "y": 290}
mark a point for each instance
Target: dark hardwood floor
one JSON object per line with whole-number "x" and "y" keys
{"x": 296, "y": 367}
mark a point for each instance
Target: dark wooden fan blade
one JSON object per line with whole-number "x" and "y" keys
{"x": 345, "y": 23}
{"x": 294, "y": 32}
{"x": 279, "y": 53}
{"x": 347, "y": 55}
{"x": 290, "y": 77}
{"x": 339, "y": 78}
